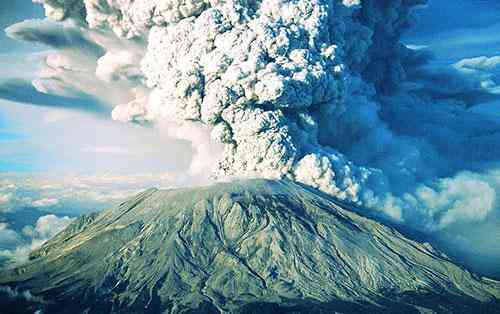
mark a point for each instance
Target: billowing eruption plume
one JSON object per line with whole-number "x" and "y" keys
{"x": 319, "y": 91}
{"x": 269, "y": 78}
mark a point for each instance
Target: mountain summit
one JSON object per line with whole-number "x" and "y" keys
{"x": 255, "y": 246}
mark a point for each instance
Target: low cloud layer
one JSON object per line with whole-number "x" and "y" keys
{"x": 75, "y": 194}
{"x": 34, "y": 208}
{"x": 19, "y": 294}
{"x": 15, "y": 247}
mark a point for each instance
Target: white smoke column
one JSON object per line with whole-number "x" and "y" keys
{"x": 254, "y": 75}
{"x": 295, "y": 89}
{"x": 206, "y": 150}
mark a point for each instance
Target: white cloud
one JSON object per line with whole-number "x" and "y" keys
{"x": 464, "y": 199}
{"x": 112, "y": 150}
{"x": 16, "y": 250}
{"x": 58, "y": 115}
{"x": 48, "y": 226}
{"x": 485, "y": 69}
{"x": 4, "y": 198}
{"x": 416, "y": 47}
{"x": 21, "y": 294}
{"x": 66, "y": 192}
{"x": 44, "y": 202}
{"x": 8, "y": 237}
{"x": 55, "y": 144}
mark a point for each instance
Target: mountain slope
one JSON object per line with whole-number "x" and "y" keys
{"x": 242, "y": 247}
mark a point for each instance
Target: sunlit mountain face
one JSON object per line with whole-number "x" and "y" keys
{"x": 389, "y": 108}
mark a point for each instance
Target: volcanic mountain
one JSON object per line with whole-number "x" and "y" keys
{"x": 255, "y": 246}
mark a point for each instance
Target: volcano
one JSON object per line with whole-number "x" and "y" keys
{"x": 254, "y": 246}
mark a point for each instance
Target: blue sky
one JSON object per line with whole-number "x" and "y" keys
{"x": 458, "y": 29}
{"x": 12, "y": 161}
{"x": 11, "y": 12}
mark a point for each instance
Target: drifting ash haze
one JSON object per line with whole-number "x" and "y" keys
{"x": 320, "y": 92}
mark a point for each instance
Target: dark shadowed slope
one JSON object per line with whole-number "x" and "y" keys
{"x": 253, "y": 246}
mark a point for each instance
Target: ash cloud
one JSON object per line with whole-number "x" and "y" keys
{"x": 52, "y": 34}
{"x": 21, "y": 91}
{"x": 80, "y": 63}
{"x": 321, "y": 92}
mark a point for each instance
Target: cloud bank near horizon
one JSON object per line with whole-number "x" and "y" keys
{"x": 15, "y": 248}
{"x": 35, "y": 207}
